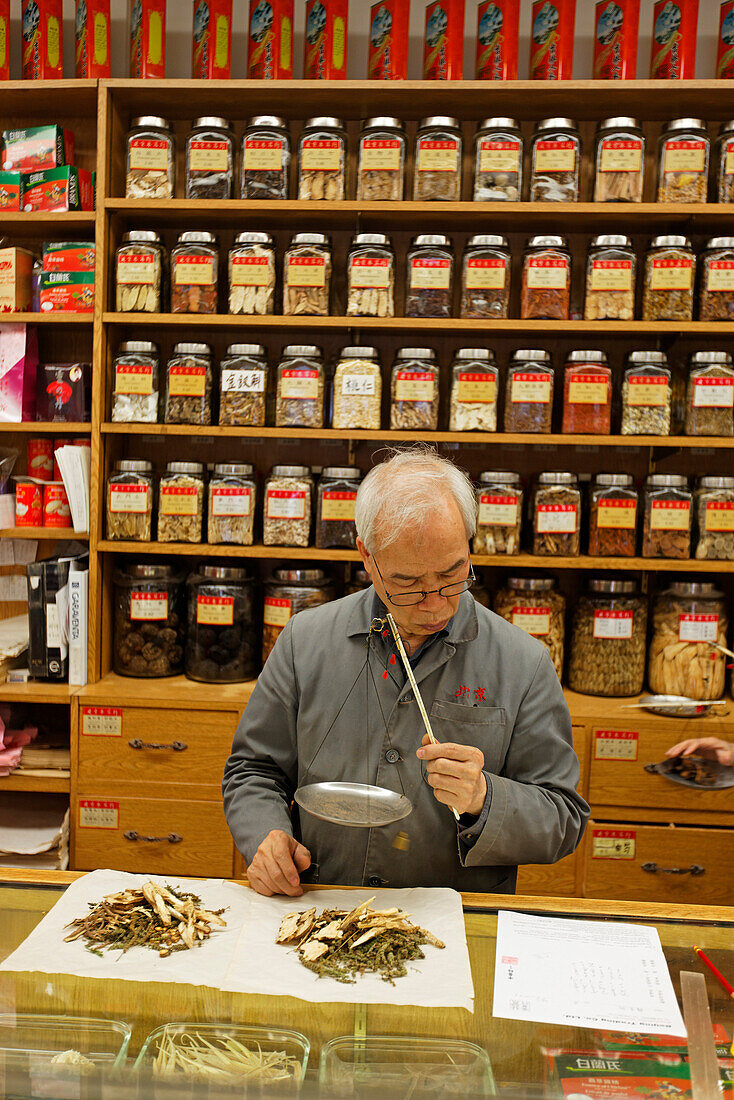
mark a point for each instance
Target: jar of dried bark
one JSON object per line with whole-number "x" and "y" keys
{"x": 430, "y": 276}
{"x": 414, "y": 390}
{"x": 474, "y": 377}
{"x": 687, "y": 617}
{"x": 243, "y": 385}
{"x": 499, "y": 515}
{"x": 322, "y": 160}
{"x": 188, "y": 398}
{"x": 130, "y": 500}
{"x": 357, "y": 389}
{"x": 557, "y": 515}
{"x": 307, "y": 275}
{"x": 546, "y": 279}
{"x": 613, "y": 516}
{"x": 683, "y": 161}
{"x": 668, "y": 512}
{"x": 194, "y": 273}
{"x": 232, "y": 498}
{"x": 529, "y": 391}
{"x": 287, "y": 508}
{"x": 252, "y": 274}
{"x": 620, "y": 161}
{"x": 371, "y": 276}
{"x": 485, "y": 277}
{"x": 266, "y": 158}
{"x": 381, "y": 160}
{"x": 300, "y": 387}
{"x": 438, "y": 156}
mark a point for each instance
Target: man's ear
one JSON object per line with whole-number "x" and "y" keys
{"x": 365, "y": 556}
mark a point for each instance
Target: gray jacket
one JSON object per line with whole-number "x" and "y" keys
{"x": 486, "y": 683}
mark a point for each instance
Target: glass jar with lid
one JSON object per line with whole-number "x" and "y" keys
{"x": 613, "y": 505}
{"x": 498, "y": 152}
{"x": 188, "y": 397}
{"x": 587, "y": 394}
{"x": 130, "y": 500}
{"x": 608, "y": 639}
{"x": 716, "y": 284}
{"x": 150, "y": 159}
{"x": 474, "y": 378}
{"x": 610, "y": 279}
{"x": 210, "y": 159}
{"x": 288, "y": 503}
{"x": 725, "y": 161}
{"x": 307, "y": 275}
{"x": 555, "y": 160}
{"x": 252, "y": 274}
{"x": 322, "y": 160}
{"x": 710, "y": 394}
{"x": 243, "y": 385}
{"x": 430, "y": 276}
{"x": 620, "y": 160}
{"x": 148, "y": 631}
{"x": 668, "y": 506}
{"x": 221, "y": 640}
{"x": 557, "y": 515}
{"x": 414, "y": 390}
{"x": 360, "y": 580}
{"x": 686, "y": 618}
{"x": 135, "y": 385}
{"x": 381, "y": 160}
{"x": 194, "y": 273}
{"x": 266, "y": 158}
{"x": 357, "y": 389}
{"x": 670, "y": 276}
{"x": 714, "y": 505}
{"x": 683, "y": 156}
{"x": 287, "y": 592}
{"x": 485, "y": 277}
{"x": 546, "y": 279}
{"x": 300, "y": 387}
{"x": 646, "y": 394}
{"x": 535, "y": 605}
{"x": 499, "y": 513}
{"x": 529, "y": 391}
{"x": 336, "y": 496}
{"x": 371, "y": 276}
{"x": 181, "y": 503}
{"x": 232, "y": 499}
{"x": 139, "y": 272}
{"x": 438, "y": 156}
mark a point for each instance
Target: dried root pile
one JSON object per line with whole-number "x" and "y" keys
{"x": 192, "y": 1055}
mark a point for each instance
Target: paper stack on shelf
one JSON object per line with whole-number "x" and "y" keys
{"x": 34, "y": 831}
{"x": 45, "y": 760}
{"x": 75, "y": 466}
{"x": 13, "y": 643}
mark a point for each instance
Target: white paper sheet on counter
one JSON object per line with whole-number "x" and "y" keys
{"x": 583, "y": 973}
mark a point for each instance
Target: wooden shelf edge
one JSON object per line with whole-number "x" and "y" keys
{"x": 54, "y": 534}
{"x": 16, "y": 781}
{"x": 37, "y": 692}
{"x": 47, "y": 427}
{"x": 49, "y": 318}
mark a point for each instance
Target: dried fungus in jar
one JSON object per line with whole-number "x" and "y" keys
{"x": 610, "y": 279}
{"x": 148, "y": 632}
{"x": 194, "y": 273}
{"x": 646, "y": 394}
{"x": 221, "y": 642}
{"x": 725, "y": 174}
{"x": 620, "y": 161}
{"x": 135, "y": 386}
{"x": 714, "y": 504}
{"x": 670, "y": 275}
{"x": 357, "y": 389}
{"x": 683, "y": 168}
{"x": 371, "y": 276}
{"x": 414, "y": 390}
{"x": 613, "y": 504}
{"x": 252, "y": 274}
{"x": 485, "y": 277}
{"x": 499, "y": 513}
{"x": 668, "y": 508}
{"x": 557, "y": 515}
{"x": 555, "y": 160}
{"x": 322, "y": 160}
{"x": 266, "y": 158}
{"x": 687, "y": 617}
{"x": 716, "y": 292}
{"x": 336, "y": 496}
{"x": 381, "y": 163}
{"x": 710, "y": 394}
{"x": 181, "y": 503}
{"x": 139, "y": 272}
{"x": 130, "y": 501}
{"x": 210, "y": 159}
{"x": 473, "y": 391}
{"x": 151, "y": 159}
{"x": 287, "y": 508}
{"x": 307, "y": 276}
{"x": 243, "y": 384}
{"x": 608, "y": 640}
{"x": 534, "y": 605}
{"x": 529, "y": 392}
{"x": 287, "y": 592}
{"x": 188, "y": 397}
{"x": 438, "y": 156}
{"x": 232, "y": 496}
{"x": 300, "y": 387}
{"x": 587, "y": 394}
{"x": 430, "y": 276}
{"x": 546, "y": 279}
{"x": 498, "y": 153}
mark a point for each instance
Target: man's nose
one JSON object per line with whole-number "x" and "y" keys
{"x": 433, "y": 602}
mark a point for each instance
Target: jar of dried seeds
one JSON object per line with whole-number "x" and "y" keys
{"x": 322, "y": 160}
{"x": 716, "y": 292}
{"x": 357, "y": 389}
{"x": 587, "y": 394}
{"x": 485, "y": 277}
{"x": 151, "y": 159}
{"x": 266, "y": 158}
{"x": 608, "y": 640}
{"x": 646, "y": 394}
{"x": 414, "y": 390}
{"x": 498, "y": 149}
{"x": 130, "y": 500}
{"x": 336, "y": 495}
{"x": 181, "y": 502}
{"x": 438, "y": 154}
{"x": 667, "y": 517}
{"x": 499, "y": 517}
{"x": 610, "y": 279}
{"x": 670, "y": 276}
{"x": 148, "y": 637}
{"x": 381, "y": 163}
{"x": 243, "y": 385}
{"x": 252, "y": 274}
{"x": 287, "y": 592}
{"x": 139, "y": 265}
{"x": 300, "y": 387}
{"x": 474, "y": 378}
{"x": 613, "y": 516}
{"x": 620, "y": 161}
{"x": 194, "y": 273}
{"x": 725, "y": 159}
{"x": 546, "y": 279}
{"x": 307, "y": 275}
{"x": 430, "y": 276}
{"x": 210, "y": 159}
{"x": 232, "y": 498}
{"x": 221, "y": 641}
{"x": 135, "y": 385}
{"x": 188, "y": 397}
{"x": 683, "y": 168}
{"x": 557, "y": 515}
{"x": 287, "y": 509}
{"x": 371, "y": 276}
{"x": 710, "y": 399}
{"x": 555, "y": 160}
{"x": 714, "y": 505}
{"x": 529, "y": 391}
{"x": 534, "y": 605}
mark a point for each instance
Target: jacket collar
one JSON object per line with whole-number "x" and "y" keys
{"x": 464, "y": 625}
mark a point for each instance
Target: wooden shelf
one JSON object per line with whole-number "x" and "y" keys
{"x": 39, "y": 224}
{"x": 205, "y": 550}
{"x": 53, "y": 534}
{"x": 48, "y": 427}
{"x": 177, "y": 691}
{"x": 50, "y": 318}
{"x": 36, "y": 691}
{"x": 34, "y": 98}
{"x": 41, "y": 784}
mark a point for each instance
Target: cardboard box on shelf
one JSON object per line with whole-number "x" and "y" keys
{"x": 18, "y": 367}
{"x": 616, "y": 27}
{"x": 92, "y": 32}
{"x": 674, "y": 27}
{"x": 67, "y": 292}
{"x": 551, "y": 39}
{"x": 43, "y": 53}
{"x": 37, "y": 148}
{"x": 10, "y": 190}
{"x": 443, "y": 48}
{"x": 270, "y": 40}
{"x": 147, "y": 22}
{"x": 211, "y": 46}
{"x": 497, "y": 40}
{"x": 16, "y": 265}
{"x": 69, "y": 256}
{"x": 61, "y": 189}
{"x": 325, "y": 40}
{"x": 388, "y": 44}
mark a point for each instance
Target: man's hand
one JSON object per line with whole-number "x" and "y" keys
{"x": 713, "y": 748}
{"x": 276, "y": 864}
{"x": 455, "y": 773}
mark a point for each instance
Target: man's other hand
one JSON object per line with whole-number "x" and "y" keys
{"x": 713, "y": 748}
{"x": 276, "y": 865}
{"x": 455, "y": 773}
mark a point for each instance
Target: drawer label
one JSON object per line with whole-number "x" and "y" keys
{"x": 102, "y": 721}
{"x": 616, "y": 744}
{"x": 613, "y": 843}
{"x": 97, "y": 813}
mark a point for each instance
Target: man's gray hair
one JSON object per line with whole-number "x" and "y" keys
{"x": 409, "y": 486}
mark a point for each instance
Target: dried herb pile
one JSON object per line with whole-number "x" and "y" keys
{"x": 154, "y": 916}
{"x": 341, "y": 943}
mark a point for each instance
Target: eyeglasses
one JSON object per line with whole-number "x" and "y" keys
{"x": 408, "y": 599}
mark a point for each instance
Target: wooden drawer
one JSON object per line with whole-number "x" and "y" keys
{"x": 615, "y": 854}
{"x": 206, "y": 847}
{"x": 549, "y": 879}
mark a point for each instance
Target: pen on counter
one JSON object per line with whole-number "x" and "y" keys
{"x": 716, "y": 973}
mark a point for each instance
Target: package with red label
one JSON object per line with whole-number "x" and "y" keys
{"x": 148, "y": 39}
{"x": 10, "y": 190}
{"x": 604, "y": 1075}
{"x": 37, "y": 149}
{"x": 676, "y": 1044}
{"x": 56, "y": 511}
{"x": 616, "y": 27}
{"x": 92, "y": 39}
{"x": 43, "y": 54}
{"x": 16, "y": 265}
{"x": 4, "y": 39}
{"x": 443, "y": 49}
{"x": 674, "y": 26}
{"x": 725, "y": 53}
{"x": 18, "y": 365}
{"x": 63, "y": 392}
{"x": 270, "y": 40}
{"x": 211, "y": 57}
{"x": 497, "y": 40}
{"x": 67, "y": 292}
{"x": 60, "y": 189}
{"x": 388, "y": 44}
{"x": 69, "y": 256}
{"x": 551, "y": 39}
{"x": 325, "y": 42}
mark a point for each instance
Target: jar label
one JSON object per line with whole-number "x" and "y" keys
{"x": 321, "y": 156}
{"x": 380, "y": 155}
{"x": 729, "y": 163}
{"x": 671, "y": 275}
{"x": 231, "y": 500}
{"x": 306, "y": 271}
{"x": 149, "y": 605}
{"x": 193, "y": 271}
{"x": 263, "y": 155}
{"x": 698, "y": 628}
{"x": 102, "y": 721}
{"x": 476, "y": 389}
{"x": 720, "y": 275}
{"x": 186, "y": 381}
{"x": 208, "y": 156}
{"x": 145, "y": 154}
{"x": 412, "y": 386}
{"x": 531, "y": 389}
{"x": 684, "y": 156}
{"x": 285, "y": 504}
{"x": 338, "y": 505}
{"x": 499, "y": 156}
{"x": 616, "y": 744}
{"x": 277, "y": 612}
{"x": 613, "y": 843}
{"x": 486, "y": 274}
{"x": 533, "y": 620}
{"x": 96, "y": 813}
{"x": 215, "y": 610}
{"x": 611, "y": 275}
{"x": 719, "y": 515}
{"x": 586, "y": 389}
{"x": 438, "y": 156}
{"x": 670, "y": 515}
{"x": 134, "y": 268}
{"x": 617, "y": 514}
{"x": 713, "y": 393}
{"x": 646, "y": 390}
{"x": 178, "y": 500}
{"x": 243, "y": 381}
{"x": 250, "y": 271}
{"x": 613, "y": 624}
{"x": 367, "y": 273}
{"x": 556, "y": 517}
{"x": 129, "y": 498}
{"x": 555, "y": 156}
{"x": 133, "y": 378}
{"x": 299, "y": 385}
{"x": 359, "y": 385}
{"x": 543, "y": 274}
{"x": 430, "y": 274}
{"x": 621, "y": 156}
{"x": 497, "y": 511}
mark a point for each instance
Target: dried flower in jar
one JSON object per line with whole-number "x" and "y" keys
{"x": 430, "y": 276}
{"x": 210, "y": 159}
{"x": 335, "y": 503}
{"x": 646, "y": 394}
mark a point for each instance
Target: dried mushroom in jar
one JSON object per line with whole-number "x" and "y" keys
{"x": 414, "y": 390}
{"x": 555, "y": 157}
{"x": 613, "y": 516}
{"x": 307, "y": 276}
{"x": 194, "y": 273}
{"x": 232, "y": 504}
{"x": 498, "y": 149}
{"x": 371, "y": 276}
{"x": 266, "y": 158}
{"x": 287, "y": 510}
{"x": 148, "y": 628}
{"x": 135, "y": 387}
{"x": 221, "y": 637}
{"x": 473, "y": 391}
{"x": 646, "y": 394}
{"x": 252, "y": 274}
{"x": 357, "y": 389}
{"x": 299, "y": 399}
{"x": 687, "y": 617}
{"x": 683, "y": 161}
{"x": 130, "y": 501}
{"x": 381, "y": 165}
{"x": 670, "y": 272}
{"x": 667, "y": 517}
{"x": 210, "y": 159}
{"x": 710, "y": 396}
{"x": 322, "y": 160}
{"x": 534, "y": 605}
{"x": 485, "y": 282}
{"x": 243, "y": 381}
{"x": 151, "y": 159}
{"x": 181, "y": 503}
{"x": 620, "y": 161}
{"x": 714, "y": 503}
{"x": 139, "y": 272}
{"x": 499, "y": 513}
{"x": 430, "y": 276}
{"x": 546, "y": 279}
{"x": 608, "y": 640}
{"x": 557, "y": 515}
{"x": 438, "y": 155}
{"x": 610, "y": 279}
{"x": 189, "y": 385}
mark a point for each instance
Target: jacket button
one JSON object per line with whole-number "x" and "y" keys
{"x": 375, "y": 880}
{"x": 392, "y": 756}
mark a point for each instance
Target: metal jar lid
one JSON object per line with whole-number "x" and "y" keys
{"x": 290, "y": 471}
{"x": 196, "y": 236}
{"x": 299, "y": 576}
{"x": 185, "y": 348}
{"x": 223, "y": 573}
{"x": 499, "y": 123}
{"x": 532, "y": 584}
{"x": 154, "y": 121}
{"x": 144, "y": 347}
{"x": 320, "y": 239}
{"x": 710, "y": 359}
{"x": 382, "y": 122}
{"x": 619, "y": 481}
{"x": 273, "y": 122}
{"x": 710, "y": 482}
{"x": 357, "y": 352}
{"x": 720, "y": 242}
{"x": 133, "y": 466}
{"x": 670, "y": 241}
{"x": 602, "y": 586}
{"x": 157, "y": 572}
{"x": 438, "y": 122}
{"x": 415, "y": 353}
{"x": 196, "y": 468}
{"x": 531, "y": 355}
{"x": 141, "y": 236}
{"x": 704, "y": 589}
{"x": 302, "y": 351}
{"x": 647, "y": 359}
{"x": 586, "y": 357}
{"x": 547, "y": 241}
{"x": 211, "y": 122}
{"x": 499, "y": 477}
{"x": 371, "y": 238}
{"x": 620, "y": 122}
{"x": 555, "y": 124}
{"x": 666, "y": 481}
{"x": 684, "y": 124}
{"x": 253, "y": 237}
{"x": 234, "y": 469}
{"x": 257, "y": 351}
{"x": 438, "y": 239}
{"x": 487, "y": 240}
{"x": 324, "y": 122}
{"x": 483, "y": 354}
{"x": 563, "y": 477}
{"x": 611, "y": 240}
{"x": 348, "y": 473}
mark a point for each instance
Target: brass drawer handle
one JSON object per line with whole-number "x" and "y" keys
{"x": 172, "y": 838}
{"x": 653, "y": 869}
{"x": 177, "y": 746}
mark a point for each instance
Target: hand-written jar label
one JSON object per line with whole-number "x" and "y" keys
{"x": 215, "y": 610}
{"x": 358, "y": 385}
{"x": 499, "y": 156}
{"x": 497, "y": 511}
{"x": 670, "y": 515}
{"x": 243, "y": 381}
{"x": 380, "y": 155}
{"x": 586, "y": 389}
{"x": 133, "y": 378}
{"x": 616, "y": 744}
{"x": 299, "y": 385}
{"x": 555, "y": 156}
{"x": 671, "y": 275}
{"x": 231, "y": 500}
{"x": 546, "y": 274}
{"x": 621, "y": 155}
{"x": 556, "y": 517}
{"x": 151, "y": 155}
{"x": 136, "y": 268}
{"x": 719, "y": 276}
{"x": 617, "y": 514}
{"x": 277, "y": 612}
{"x": 430, "y": 274}
{"x": 178, "y": 500}
{"x": 698, "y": 628}
{"x": 611, "y": 275}
{"x": 102, "y": 721}
{"x": 285, "y": 503}
{"x": 263, "y": 155}
{"x": 438, "y": 156}
{"x": 486, "y": 274}
{"x": 149, "y": 605}
{"x": 186, "y": 381}
{"x": 613, "y": 624}
{"x": 208, "y": 156}
{"x": 193, "y": 271}
{"x": 684, "y": 156}
{"x": 531, "y": 389}
{"x": 129, "y": 498}
{"x": 321, "y": 156}
{"x": 367, "y": 273}
{"x": 648, "y": 391}
{"x": 250, "y": 271}
{"x": 713, "y": 393}
{"x": 719, "y": 515}
{"x": 97, "y": 813}
{"x": 412, "y": 386}
{"x": 613, "y": 843}
{"x": 306, "y": 271}
{"x": 533, "y": 620}
{"x": 476, "y": 389}
{"x": 337, "y": 505}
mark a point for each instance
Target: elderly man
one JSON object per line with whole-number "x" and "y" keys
{"x": 504, "y": 761}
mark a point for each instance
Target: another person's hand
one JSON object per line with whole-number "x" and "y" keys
{"x": 455, "y": 773}
{"x": 276, "y": 865}
{"x": 713, "y": 748}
